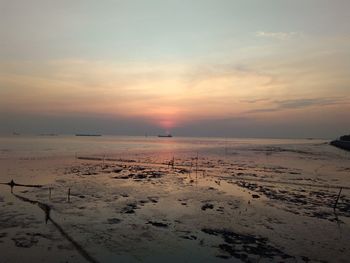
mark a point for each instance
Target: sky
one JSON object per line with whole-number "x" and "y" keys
{"x": 226, "y": 68}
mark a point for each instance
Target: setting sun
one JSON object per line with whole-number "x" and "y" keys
{"x": 151, "y": 131}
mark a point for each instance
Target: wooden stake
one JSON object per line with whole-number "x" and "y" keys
{"x": 336, "y": 202}
{"x": 190, "y": 171}
{"x": 12, "y": 184}
{"x": 68, "y": 195}
{"x": 197, "y": 164}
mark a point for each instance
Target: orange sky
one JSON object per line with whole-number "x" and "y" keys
{"x": 147, "y": 64}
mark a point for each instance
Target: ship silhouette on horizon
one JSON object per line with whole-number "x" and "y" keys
{"x": 165, "y": 135}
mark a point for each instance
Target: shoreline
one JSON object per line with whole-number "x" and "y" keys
{"x": 243, "y": 203}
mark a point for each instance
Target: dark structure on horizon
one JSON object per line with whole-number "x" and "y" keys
{"x": 86, "y": 134}
{"x": 343, "y": 142}
{"x": 165, "y": 136}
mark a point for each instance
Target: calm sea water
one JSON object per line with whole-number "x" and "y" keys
{"x": 285, "y": 169}
{"x": 109, "y": 145}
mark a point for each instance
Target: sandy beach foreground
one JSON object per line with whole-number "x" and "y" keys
{"x": 133, "y": 199}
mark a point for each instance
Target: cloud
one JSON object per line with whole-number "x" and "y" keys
{"x": 293, "y": 104}
{"x": 263, "y": 110}
{"x": 161, "y": 92}
{"x": 302, "y": 103}
{"x": 252, "y": 101}
{"x": 277, "y": 35}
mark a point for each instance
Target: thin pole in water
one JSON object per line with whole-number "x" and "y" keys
{"x": 12, "y": 184}
{"x": 197, "y": 165}
{"x": 68, "y": 195}
{"x": 336, "y": 202}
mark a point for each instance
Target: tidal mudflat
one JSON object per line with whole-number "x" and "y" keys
{"x": 134, "y": 199}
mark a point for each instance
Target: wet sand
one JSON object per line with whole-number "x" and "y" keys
{"x": 201, "y": 202}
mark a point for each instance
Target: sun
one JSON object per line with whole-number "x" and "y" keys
{"x": 167, "y": 124}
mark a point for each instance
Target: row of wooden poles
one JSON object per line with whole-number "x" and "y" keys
{"x": 12, "y": 184}
{"x": 172, "y": 163}
{"x": 46, "y": 209}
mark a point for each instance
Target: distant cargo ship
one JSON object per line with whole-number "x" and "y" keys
{"x": 165, "y": 136}
{"x": 84, "y": 134}
{"x": 343, "y": 142}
